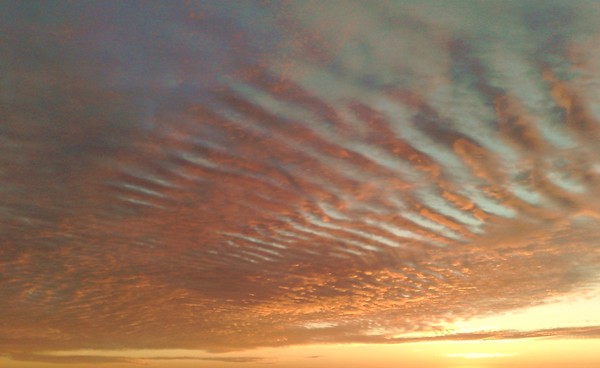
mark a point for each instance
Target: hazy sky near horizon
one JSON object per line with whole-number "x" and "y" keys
{"x": 256, "y": 183}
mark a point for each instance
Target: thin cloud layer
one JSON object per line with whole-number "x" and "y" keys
{"x": 99, "y": 359}
{"x": 220, "y": 177}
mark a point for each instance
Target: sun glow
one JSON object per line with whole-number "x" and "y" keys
{"x": 582, "y": 306}
{"x": 479, "y": 355}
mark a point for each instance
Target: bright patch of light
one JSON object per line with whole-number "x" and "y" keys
{"x": 479, "y": 355}
{"x": 583, "y": 311}
{"x": 313, "y": 325}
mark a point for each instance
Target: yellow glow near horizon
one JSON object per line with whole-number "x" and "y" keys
{"x": 582, "y": 310}
{"x": 451, "y": 353}
{"x": 479, "y": 355}
{"x": 526, "y": 353}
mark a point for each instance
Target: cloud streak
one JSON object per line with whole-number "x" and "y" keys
{"x": 99, "y": 359}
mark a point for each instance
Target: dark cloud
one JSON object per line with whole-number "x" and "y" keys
{"x": 214, "y": 177}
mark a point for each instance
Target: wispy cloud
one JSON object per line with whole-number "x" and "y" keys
{"x": 77, "y": 359}
{"x": 102, "y": 359}
{"x": 553, "y": 333}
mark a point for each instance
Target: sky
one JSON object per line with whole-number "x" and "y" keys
{"x": 299, "y": 183}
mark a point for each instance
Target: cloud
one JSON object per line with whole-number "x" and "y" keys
{"x": 33, "y": 357}
{"x": 99, "y": 359}
{"x": 592, "y": 332}
{"x": 203, "y": 177}
{"x": 215, "y": 359}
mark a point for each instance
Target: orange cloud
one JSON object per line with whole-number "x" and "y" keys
{"x": 214, "y": 182}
